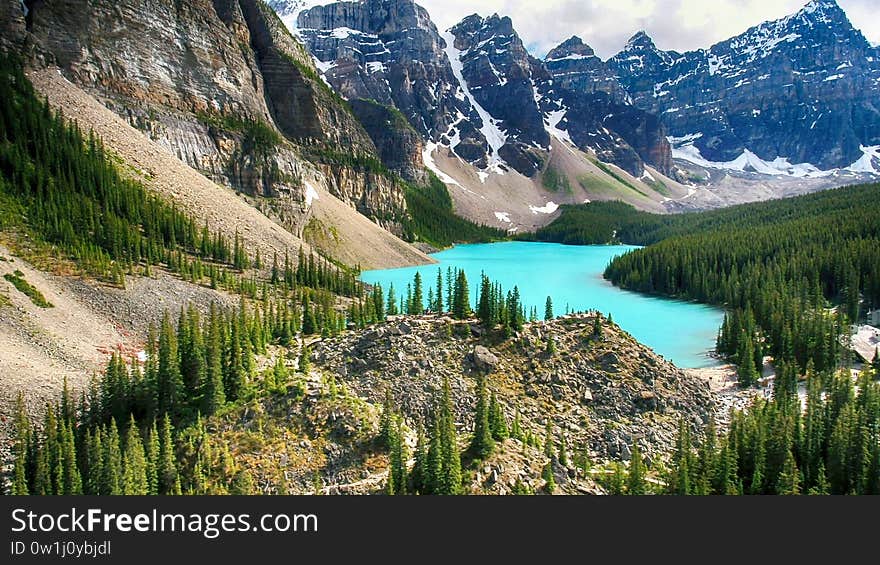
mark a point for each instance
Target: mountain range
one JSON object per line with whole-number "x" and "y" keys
{"x": 796, "y": 98}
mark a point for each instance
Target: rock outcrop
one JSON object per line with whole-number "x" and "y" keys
{"x": 602, "y": 392}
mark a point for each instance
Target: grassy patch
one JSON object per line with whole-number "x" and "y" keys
{"x": 26, "y": 288}
{"x": 619, "y": 178}
{"x": 658, "y": 185}
{"x": 554, "y": 181}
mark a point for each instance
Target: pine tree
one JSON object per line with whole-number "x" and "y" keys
{"x": 418, "y": 301}
{"x": 169, "y": 381}
{"x": 386, "y": 422}
{"x": 433, "y": 476}
{"x": 20, "y": 449}
{"x": 213, "y": 395}
{"x": 305, "y": 360}
{"x": 134, "y": 468}
{"x": 484, "y": 308}
{"x": 169, "y": 482}
{"x": 746, "y": 361}
{"x": 497, "y": 420}
{"x": 419, "y": 475}
{"x": 549, "y": 479}
{"x": 193, "y": 366}
{"x": 617, "y": 481}
{"x": 71, "y": 482}
{"x": 438, "y": 292}
{"x": 548, "y": 309}
{"x": 152, "y": 454}
{"x": 95, "y": 476}
{"x": 789, "y": 481}
{"x": 461, "y": 298}
{"x": 636, "y": 483}
{"x": 451, "y": 460}
{"x": 482, "y": 443}
{"x": 112, "y": 461}
{"x": 820, "y": 485}
{"x": 397, "y": 475}
{"x": 391, "y": 307}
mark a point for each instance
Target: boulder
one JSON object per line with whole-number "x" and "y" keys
{"x": 484, "y": 359}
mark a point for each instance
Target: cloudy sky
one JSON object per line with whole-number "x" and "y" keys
{"x": 607, "y": 24}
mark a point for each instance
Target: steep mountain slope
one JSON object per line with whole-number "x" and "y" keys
{"x": 473, "y": 93}
{"x": 223, "y": 86}
{"x": 794, "y": 96}
{"x": 209, "y": 202}
{"x": 588, "y": 104}
{"x": 712, "y": 120}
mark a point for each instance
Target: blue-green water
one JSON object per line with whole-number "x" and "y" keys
{"x": 683, "y": 332}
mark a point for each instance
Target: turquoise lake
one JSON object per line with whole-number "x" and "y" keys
{"x": 683, "y": 332}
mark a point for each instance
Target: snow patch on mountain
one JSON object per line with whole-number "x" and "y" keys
{"x": 869, "y": 162}
{"x": 289, "y": 10}
{"x": 311, "y": 195}
{"x": 547, "y": 208}
{"x": 428, "y": 158}
{"x": 684, "y": 149}
{"x": 494, "y": 135}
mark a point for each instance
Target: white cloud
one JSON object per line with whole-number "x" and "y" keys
{"x": 681, "y": 25}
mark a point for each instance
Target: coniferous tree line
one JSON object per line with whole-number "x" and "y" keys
{"x": 451, "y": 295}
{"x": 495, "y": 307}
{"x": 775, "y": 446}
{"x": 432, "y": 219}
{"x": 71, "y": 194}
{"x": 193, "y": 368}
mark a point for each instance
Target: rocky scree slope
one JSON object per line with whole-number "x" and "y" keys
{"x": 600, "y": 393}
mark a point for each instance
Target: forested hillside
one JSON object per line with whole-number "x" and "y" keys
{"x": 778, "y": 267}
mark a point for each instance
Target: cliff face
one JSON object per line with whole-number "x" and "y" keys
{"x": 398, "y": 144}
{"x": 223, "y": 85}
{"x": 803, "y": 88}
{"x": 387, "y": 52}
{"x": 594, "y": 109}
{"x": 473, "y": 88}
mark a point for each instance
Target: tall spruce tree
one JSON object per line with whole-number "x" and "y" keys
{"x": 482, "y": 442}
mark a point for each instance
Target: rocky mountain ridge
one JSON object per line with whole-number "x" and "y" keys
{"x": 803, "y": 90}
{"x": 473, "y": 88}
{"x": 793, "y": 97}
